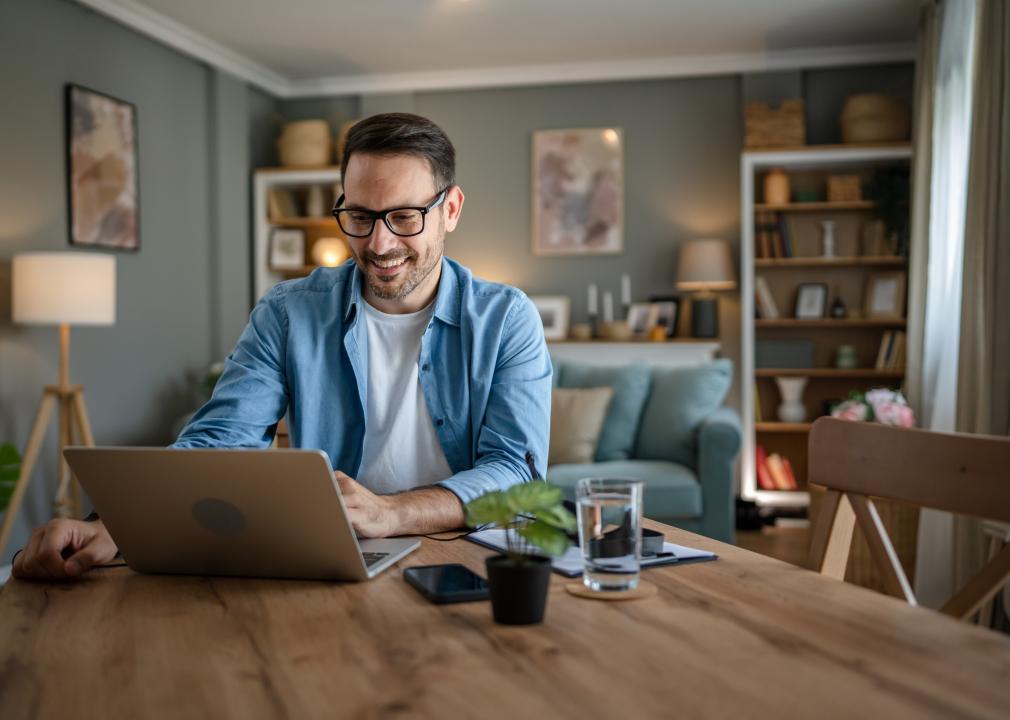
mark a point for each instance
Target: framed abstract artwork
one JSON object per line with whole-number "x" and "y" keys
{"x": 102, "y": 187}
{"x": 578, "y": 192}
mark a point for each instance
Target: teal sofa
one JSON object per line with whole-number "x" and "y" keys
{"x": 666, "y": 426}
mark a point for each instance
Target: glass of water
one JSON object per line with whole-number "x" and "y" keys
{"x": 610, "y": 532}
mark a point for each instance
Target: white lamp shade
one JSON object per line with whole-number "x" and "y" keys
{"x": 329, "y": 252}
{"x": 705, "y": 265}
{"x": 63, "y": 287}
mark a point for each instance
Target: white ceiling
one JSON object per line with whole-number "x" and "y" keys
{"x": 303, "y": 47}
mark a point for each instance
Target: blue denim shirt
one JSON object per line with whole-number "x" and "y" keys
{"x": 484, "y": 370}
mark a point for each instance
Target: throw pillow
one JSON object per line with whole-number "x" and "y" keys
{"x": 680, "y": 399}
{"x": 631, "y": 390}
{"x": 576, "y": 421}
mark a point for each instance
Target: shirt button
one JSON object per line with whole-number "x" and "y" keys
{"x": 439, "y": 423}
{"x": 424, "y": 368}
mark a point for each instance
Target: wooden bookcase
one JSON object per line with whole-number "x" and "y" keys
{"x": 296, "y": 182}
{"x": 846, "y": 275}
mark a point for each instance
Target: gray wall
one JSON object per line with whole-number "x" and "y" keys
{"x": 183, "y": 297}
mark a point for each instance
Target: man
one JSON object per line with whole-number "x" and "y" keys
{"x": 426, "y": 386}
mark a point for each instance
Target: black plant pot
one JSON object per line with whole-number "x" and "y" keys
{"x": 518, "y": 590}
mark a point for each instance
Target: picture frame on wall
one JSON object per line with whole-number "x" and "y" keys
{"x": 811, "y": 301}
{"x": 555, "y": 311}
{"x": 668, "y": 311}
{"x": 287, "y": 248}
{"x": 103, "y": 190}
{"x": 885, "y": 295}
{"x": 578, "y": 191}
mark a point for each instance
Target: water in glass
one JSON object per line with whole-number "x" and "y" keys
{"x": 610, "y": 521}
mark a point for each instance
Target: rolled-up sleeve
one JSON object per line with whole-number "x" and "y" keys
{"x": 518, "y": 415}
{"x": 251, "y": 395}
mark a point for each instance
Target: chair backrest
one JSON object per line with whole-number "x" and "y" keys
{"x": 963, "y": 474}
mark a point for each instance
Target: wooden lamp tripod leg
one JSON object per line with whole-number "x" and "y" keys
{"x": 27, "y": 464}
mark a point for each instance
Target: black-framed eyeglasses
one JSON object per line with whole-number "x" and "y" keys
{"x": 404, "y": 221}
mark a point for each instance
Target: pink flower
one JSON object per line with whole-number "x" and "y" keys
{"x": 895, "y": 414}
{"x": 851, "y": 410}
{"x": 882, "y": 396}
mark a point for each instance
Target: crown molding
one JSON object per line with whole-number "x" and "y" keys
{"x": 189, "y": 42}
{"x": 192, "y": 43}
{"x": 684, "y": 66}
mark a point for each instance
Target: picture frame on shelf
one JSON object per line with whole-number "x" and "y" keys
{"x": 103, "y": 193}
{"x": 578, "y": 191}
{"x": 287, "y": 248}
{"x": 668, "y": 312}
{"x": 811, "y": 301}
{"x": 554, "y": 312}
{"x": 642, "y": 317}
{"x": 885, "y": 295}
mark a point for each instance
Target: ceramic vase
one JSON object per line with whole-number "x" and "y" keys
{"x": 777, "y": 187}
{"x": 828, "y": 238}
{"x": 791, "y": 409}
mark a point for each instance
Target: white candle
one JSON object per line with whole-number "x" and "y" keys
{"x": 625, "y": 289}
{"x": 592, "y": 299}
{"x": 608, "y": 307}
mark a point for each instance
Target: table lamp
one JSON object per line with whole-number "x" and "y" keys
{"x": 63, "y": 289}
{"x": 704, "y": 267}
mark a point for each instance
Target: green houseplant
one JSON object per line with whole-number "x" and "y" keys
{"x": 536, "y": 526}
{"x": 10, "y": 469}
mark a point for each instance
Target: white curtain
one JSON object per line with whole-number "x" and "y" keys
{"x": 941, "y": 283}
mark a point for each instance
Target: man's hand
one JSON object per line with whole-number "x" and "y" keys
{"x": 85, "y": 543}
{"x": 415, "y": 512}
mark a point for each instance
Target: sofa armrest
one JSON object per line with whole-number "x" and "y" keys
{"x": 719, "y": 438}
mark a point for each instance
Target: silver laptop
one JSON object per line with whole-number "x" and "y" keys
{"x": 254, "y": 513}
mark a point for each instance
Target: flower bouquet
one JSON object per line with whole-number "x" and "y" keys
{"x": 887, "y": 407}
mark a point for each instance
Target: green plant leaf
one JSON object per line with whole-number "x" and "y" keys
{"x": 533, "y": 497}
{"x": 10, "y": 470}
{"x": 558, "y": 517}
{"x": 492, "y": 507}
{"x": 549, "y": 539}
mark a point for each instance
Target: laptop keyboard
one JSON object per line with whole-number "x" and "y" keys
{"x": 373, "y": 557}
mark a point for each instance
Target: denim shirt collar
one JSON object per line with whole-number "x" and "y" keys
{"x": 447, "y": 298}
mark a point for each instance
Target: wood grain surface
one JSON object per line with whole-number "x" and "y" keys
{"x": 745, "y": 636}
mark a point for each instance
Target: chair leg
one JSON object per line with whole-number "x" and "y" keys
{"x": 35, "y": 439}
{"x": 829, "y": 547}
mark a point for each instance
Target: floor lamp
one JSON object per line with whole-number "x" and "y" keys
{"x": 63, "y": 289}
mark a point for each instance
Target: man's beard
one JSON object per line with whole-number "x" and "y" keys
{"x": 415, "y": 270}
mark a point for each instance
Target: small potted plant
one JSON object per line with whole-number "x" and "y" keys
{"x": 533, "y": 519}
{"x": 10, "y": 470}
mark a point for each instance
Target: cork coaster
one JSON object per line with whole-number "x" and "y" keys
{"x": 644, "y": 590}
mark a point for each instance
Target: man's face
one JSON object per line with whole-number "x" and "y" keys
{"x": 397, "y": 267}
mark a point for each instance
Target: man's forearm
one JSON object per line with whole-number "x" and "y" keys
{"x": 427, "y": 510}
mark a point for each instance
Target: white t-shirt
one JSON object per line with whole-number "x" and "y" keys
{"x": 401, "y": 450}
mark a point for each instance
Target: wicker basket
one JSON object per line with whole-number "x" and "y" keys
{"x": 874, "y": 118}
{"x": 305, "y": 143}
{"x": 784, "y": 126}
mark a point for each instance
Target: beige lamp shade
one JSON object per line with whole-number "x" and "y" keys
{"x": 55, "y": 288}
{"x": 329, "y": 252}
{"x": 705, "y": 265}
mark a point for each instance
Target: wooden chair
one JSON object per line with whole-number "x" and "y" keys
{"x": 963, "y": 474}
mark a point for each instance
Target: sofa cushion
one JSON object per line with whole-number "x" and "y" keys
{"x": 631, "y": 389}
{"x": 680, "y": 399}
{"x": 671, "y": 490}
{"x": 576, "y": 420}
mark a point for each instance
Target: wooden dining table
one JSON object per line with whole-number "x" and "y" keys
{"x": 743, "y": 636}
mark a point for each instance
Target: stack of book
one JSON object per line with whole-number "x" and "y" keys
{"x": 774, "y": 472}
{"x": 773, "y": 235}
{"x": 891, "y": 355}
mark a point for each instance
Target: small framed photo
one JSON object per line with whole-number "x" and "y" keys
{"x": 287, "y": 248}
{"x": 554, "y": 313}
{"x": 668, "y": 309}
{"x": 885, "y": 295}
{"x": 811, "y": 301}
{"x": 642, "y": 317}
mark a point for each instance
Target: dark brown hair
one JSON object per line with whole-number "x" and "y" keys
{"x": 404, "y": 134}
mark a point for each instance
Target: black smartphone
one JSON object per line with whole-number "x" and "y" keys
{"x": 450, "y": 583}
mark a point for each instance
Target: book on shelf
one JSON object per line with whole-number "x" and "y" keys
{"x": 281, "y": 203}
{"x": 774, "y": 472}
{"x": 766, "y": 302}
{"x": 891, "y": 353}
{"x": 757, "y": 403}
